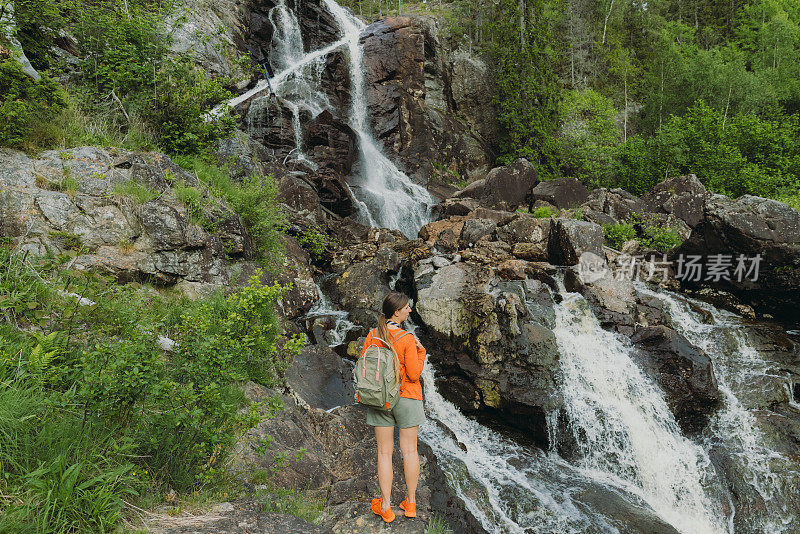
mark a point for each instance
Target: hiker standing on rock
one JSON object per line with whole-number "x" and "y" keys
{"x": 407, "y": 412}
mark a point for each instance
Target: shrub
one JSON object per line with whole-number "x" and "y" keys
{"x": 313, "y": 241}
{"x": 92, "y": 412}
{"x": 176, "y": 112}
{"x": 661, "y": 239}
{"x": 254, "y": 199}
{"x": 24, "y": 102}
{"x": 543, "y": 212}
{"x": 617, "y": 234}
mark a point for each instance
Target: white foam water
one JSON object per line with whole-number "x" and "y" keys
{"x": 624, "y": 430}
{"x": 391, "y": 198}
{"x": 324, "y": 308}
{"x": 738, "y": 366}
{"x": 385, "y": 196}
{"x": 629, "y": 444}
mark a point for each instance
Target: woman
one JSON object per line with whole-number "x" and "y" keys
{"x": 407, "y": 414}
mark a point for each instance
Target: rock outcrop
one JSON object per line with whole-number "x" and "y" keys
{"x": 505, "y": 188}
{"x": 683, "y": 371}
{"x": 71, "y": 200}
{"x": 496, "y": 354}
{"x": 765, "y": 235}
{"x": 426, "y": 106}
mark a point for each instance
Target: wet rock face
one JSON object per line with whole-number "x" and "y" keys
{"x": 156, "y": 240}
{"x": 749, "y": 226}
{"x": 683, "y": 371}
{"x": 408, "y": 91}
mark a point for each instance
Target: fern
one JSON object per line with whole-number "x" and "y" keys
{"x": 42, "y": 355}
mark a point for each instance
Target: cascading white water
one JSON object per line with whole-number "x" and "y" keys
{"x": 624, "y": 430}
{"x": 626, "y": 435}
{"x": 384, "y": 195}
{"x": 324, "y": 308}
{"x": 737, "y": 366}
{"x": 391, "y": 198}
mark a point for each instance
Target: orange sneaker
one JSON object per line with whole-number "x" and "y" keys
{"x": 387, "y": 516}
{"x": 410, "y": 508}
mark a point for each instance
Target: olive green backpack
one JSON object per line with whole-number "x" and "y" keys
{"x": 374, "y": 375}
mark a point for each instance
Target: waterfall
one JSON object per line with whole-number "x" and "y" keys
{"x": 341, "y": 324}
{"x": 628, "y": 440}
{"x": 384, "y": 195}
{"x": 392, "y": 199}
{"x": 738, "y": 366}
{"x": 623, "y": 428}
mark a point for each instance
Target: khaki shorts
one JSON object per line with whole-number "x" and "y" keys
{"x": 406, "y": 413}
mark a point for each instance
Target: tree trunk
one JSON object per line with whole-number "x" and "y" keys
{"x": 625, "y": 127}
{"x": 605, "y": 24}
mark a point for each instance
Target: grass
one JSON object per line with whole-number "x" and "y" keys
{"x": 82, "y": 124}
{"x": 437, "y": 525}
{"x": 288, "y": 501}
{"x": 93, "y": 415}
{"x": 254, "y": 199}
{"x": 141, "y": 193}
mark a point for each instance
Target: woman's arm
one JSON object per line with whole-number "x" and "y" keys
{"x": 414, "y": 356}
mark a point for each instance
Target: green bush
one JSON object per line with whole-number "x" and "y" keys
{"x": 313, "y": 241}
{"x": 543, "y": 212}
{"x": 182, "y": 95}
{"x": 24, "y": 102}
{"x": 255, "y": 199}
{"x": 617, "y": 234}
{"x": 661, "y": 239}
{"x": 93, "y": 412}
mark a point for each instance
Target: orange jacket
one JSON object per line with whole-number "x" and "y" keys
{"x": 411, "y": 361}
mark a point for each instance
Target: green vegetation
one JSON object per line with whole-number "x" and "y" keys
{"x": 93, "y": 413}
{"x": 650, "y": 236}
{"x": 141, "y": 193}
{"x": 661, "y": 239}
{"x": 68, "y": 241}
{"x": 437, "y": 525}
{"x": 623, "y": 94}
{"x": 313, "y": 241}
{"x": 543, "y": 212}
{"x": 617, "y": 234}
{"x": 126, "y": 89}
{"x": 25, "y": 103}
{"x": 302, "y": 504}
{"x": 254, "y": 199}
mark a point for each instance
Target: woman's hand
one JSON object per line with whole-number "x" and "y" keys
{"x": 419, "y": 345}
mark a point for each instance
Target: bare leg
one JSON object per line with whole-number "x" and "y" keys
{"x": 384, "y": 435}
{"x": 408, "y": 446}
